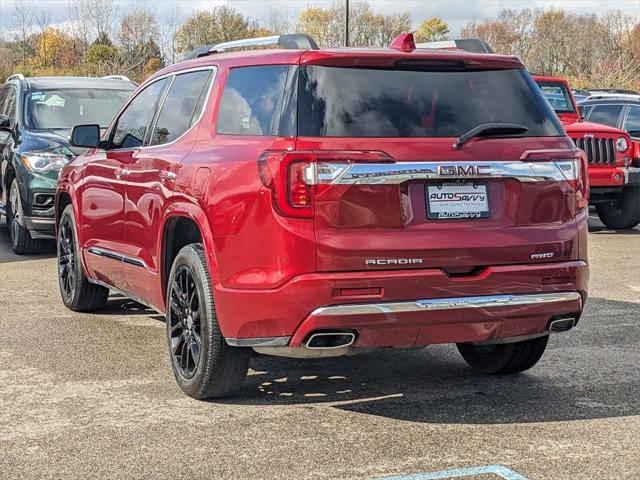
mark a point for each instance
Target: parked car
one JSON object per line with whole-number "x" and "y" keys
{"x": 580, "y": 94}
{"x": 617, "y": 111}
{"x": 307, "y": 202}
{"x": 36, "y": 117}
{"x": 614, "y": 175}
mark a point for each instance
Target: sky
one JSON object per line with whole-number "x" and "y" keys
{"x": 455, "y": 12}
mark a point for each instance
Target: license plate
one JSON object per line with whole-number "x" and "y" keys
{"x": 457, "y": 201}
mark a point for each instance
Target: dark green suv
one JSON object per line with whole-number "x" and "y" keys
{"x": 36, "y": 117}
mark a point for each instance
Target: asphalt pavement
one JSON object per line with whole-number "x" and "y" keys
{"x": 93, "y": 396}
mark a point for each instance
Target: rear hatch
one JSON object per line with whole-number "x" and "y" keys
{"x": 387, "y": 189}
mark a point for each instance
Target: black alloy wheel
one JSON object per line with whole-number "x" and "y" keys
{"x": 185, "y": 322}
{"x": 66, "y": 259}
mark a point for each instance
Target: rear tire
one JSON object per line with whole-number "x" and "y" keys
{"x": 19, "y": 236}
{"x": 202, "y": 362}
{"x": 624, "y": 215}
{"x": 77, "y": 292}
{"x": 505, "y": 358}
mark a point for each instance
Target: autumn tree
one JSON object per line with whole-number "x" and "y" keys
{"x": 366, "y": 28}
{"x": 432, "y": 29}
{"x": 208, "y": 27}
{"x": 138, "y": 39}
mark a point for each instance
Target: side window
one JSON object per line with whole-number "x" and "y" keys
{"x": 133, "y": 125}
{"x": 252, "y": 100}
{"x": 606, "y": 114}
{"x": 182, "y": 106}
{"x": 632, "y": 125}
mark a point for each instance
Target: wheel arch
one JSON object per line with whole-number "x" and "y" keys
{"x": 184, "y": 223}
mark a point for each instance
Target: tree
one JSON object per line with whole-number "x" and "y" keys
{"x": 208, "y": 27}
{"x": 366, "y": 28}
{"x": 22, "y": 19}
{"x": 138, "y": 38}
{"x": 432, "y": 29}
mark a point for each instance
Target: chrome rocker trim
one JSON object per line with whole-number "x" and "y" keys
{"x": 456, "y": 303}
{"x": 397, "y": 173}
{"x": 101, "y": 252}
{"x": 259, "y": 342}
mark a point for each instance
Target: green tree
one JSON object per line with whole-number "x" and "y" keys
{"x": 432, "y": 29}
{"x": 208, "y": 27}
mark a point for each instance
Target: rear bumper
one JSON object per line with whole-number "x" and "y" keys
{"x": 500, "y": 302}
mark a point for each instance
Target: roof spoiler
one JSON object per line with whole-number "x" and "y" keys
{"x": 292, "y": 41}
{"x": 468, "y": 44}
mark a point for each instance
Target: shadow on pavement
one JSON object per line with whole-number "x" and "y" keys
{"x": 573, "y": 381}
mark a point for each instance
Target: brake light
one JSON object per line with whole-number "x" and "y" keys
{"x": 295, "y": 178}
{"x": 575, "y": 172}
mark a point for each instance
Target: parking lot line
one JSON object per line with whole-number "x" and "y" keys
{"x": 499, "y": 470}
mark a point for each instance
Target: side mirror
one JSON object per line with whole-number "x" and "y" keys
{"x": 5, "y": 123}
{"x": 87, "y": 136}
{"x": 581, "y": 112}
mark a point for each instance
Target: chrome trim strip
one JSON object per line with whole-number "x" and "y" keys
{"x": 101, "y": 252}
{"x": 396, "y": 173}
{"x": 258, "y": 342}
{"x": 456, "y": 303}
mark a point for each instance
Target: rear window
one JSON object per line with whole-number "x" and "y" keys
{"x": 365, "y": 102}
{"x": 252, "y": 101}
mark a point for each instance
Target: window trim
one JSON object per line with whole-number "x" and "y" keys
{"x": 623, "y": 124}
{"x": 156, "y": 116}
{"x": 292, "y": 74}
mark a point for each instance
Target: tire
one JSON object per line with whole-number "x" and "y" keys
{"x": 77, "y": 292}
{"x": 202, "y": 362}
{"x": 622, "y": 216}
{"x": 505, "y": 358}
{"x": 19, "y": 236}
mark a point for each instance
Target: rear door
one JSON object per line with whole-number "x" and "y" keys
{"x": 151, "y": 178}
{"x": 393, "y": 192}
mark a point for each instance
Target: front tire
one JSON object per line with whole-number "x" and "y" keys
{"x": 624, "y": 215}
{"x": 202, "y": 362}
{"x": 19, "y": 236}
{"x": 505, "y": 358}
{"x": 78, "y": 294}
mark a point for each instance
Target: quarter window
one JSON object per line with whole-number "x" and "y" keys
{"x": 632, "y": 124}
{"x": 252, "y": 100}
{"x": 182, "y": 106}
{"x": 134, "y": 123}
{"x": 606, "y": 114}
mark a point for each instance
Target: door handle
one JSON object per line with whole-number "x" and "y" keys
{"x": 121, "y": 173}
{"x": 167, "y": 175}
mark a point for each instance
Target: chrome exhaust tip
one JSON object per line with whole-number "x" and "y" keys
{"x": 330, "y": 340}
{"x": 562, "y": 324}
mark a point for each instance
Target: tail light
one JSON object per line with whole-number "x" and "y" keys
{"x": 294, "y": 176}
{"x": 573, "y": 166}
{"x": 575, "y": 171}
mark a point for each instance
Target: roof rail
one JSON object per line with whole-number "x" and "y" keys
{"x": 119, "y": 77}
{"x": 294, "y": 41}
{"x": 469, "y": 44}
{"x": 16, "y": 76}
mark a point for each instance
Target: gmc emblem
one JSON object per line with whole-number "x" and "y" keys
{"x": 460, "y": 170}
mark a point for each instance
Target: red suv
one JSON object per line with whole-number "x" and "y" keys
{"x": 314, "y": 203}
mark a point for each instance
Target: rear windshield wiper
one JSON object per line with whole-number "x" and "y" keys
{"x": 489, "y": 129}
